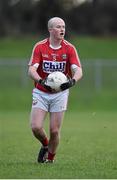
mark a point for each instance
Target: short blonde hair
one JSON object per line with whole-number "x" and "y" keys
{"x": 52, "y": 20}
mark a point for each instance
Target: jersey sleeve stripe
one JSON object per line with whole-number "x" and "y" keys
{"x": 38, "y": 43}
{"x": 71, "y": 45}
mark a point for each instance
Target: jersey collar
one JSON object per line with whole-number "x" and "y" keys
{"x": 55, "y": 48}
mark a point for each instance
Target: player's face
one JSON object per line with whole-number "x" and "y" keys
{"x": 58, "y": 30}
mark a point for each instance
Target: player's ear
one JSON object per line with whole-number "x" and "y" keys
{"x": 50, "y": 30}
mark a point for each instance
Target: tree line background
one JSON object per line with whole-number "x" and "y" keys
{"x": 96, "y": 17}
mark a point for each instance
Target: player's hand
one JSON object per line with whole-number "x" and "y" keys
{"x": 43, "y": 83}
{"x": 68, "y": 84}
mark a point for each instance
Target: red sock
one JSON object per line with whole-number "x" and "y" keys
{"x": 45, "y": 142}
{"x": 50, "y": 156}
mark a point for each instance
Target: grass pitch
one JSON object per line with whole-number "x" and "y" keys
{"x": 88, "y": 47}
{"x": 87, "y": 148}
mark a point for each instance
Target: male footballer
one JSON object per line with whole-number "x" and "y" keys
{"x": 51, "y": 54}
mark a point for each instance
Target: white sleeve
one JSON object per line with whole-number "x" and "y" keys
{"x": 36, "y": 65}
{"x": 74, "y": 67}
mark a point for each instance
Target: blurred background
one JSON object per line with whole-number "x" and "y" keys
{"x": 91, "y": 25}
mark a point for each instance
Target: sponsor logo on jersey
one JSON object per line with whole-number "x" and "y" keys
{"x": 51, "y": 66}
{"x": 45, "y": 55}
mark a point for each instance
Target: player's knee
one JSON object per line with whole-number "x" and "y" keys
{"x": 36, "y": 128}
{"x": 54, "y": 133}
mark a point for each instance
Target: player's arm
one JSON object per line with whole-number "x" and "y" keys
{"x": 76, "y": 70}
{"x": 76, "y": 76}
{"x": 32, "y": 72}
{"x": 34, "y": 64}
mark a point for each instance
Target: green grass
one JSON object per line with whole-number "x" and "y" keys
{"x": 88, "y": 47}
{"x": 96, "y": 47}
{"x": 87, "y": 148}
{"x": 19, "y": 99}
{"x": 16, "y": 47}
{"x": 89, "y": 133}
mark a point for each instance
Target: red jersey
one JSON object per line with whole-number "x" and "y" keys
{"x": 50, "y": 59}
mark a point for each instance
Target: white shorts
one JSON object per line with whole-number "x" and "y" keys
{"x": 55, "y": 102}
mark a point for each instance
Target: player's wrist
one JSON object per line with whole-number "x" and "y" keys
{"x": 73, "y": 82}
{"x": 68, "y": 84}
{"x": 40, "y": 81}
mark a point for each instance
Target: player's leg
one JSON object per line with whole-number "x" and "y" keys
{"x": 57, "y": 109}
{"x": 55, "y": 126}
{"x": 38, "y": 114}
{"x": 37, "y": 123}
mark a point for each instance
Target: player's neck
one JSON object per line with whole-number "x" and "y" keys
{"x": 55, "y": 43}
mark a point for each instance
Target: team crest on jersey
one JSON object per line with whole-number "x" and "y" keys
{"x": 51, "y": 66}
{"x": 64, "y": 56}
{"x": 34, "y": 102}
